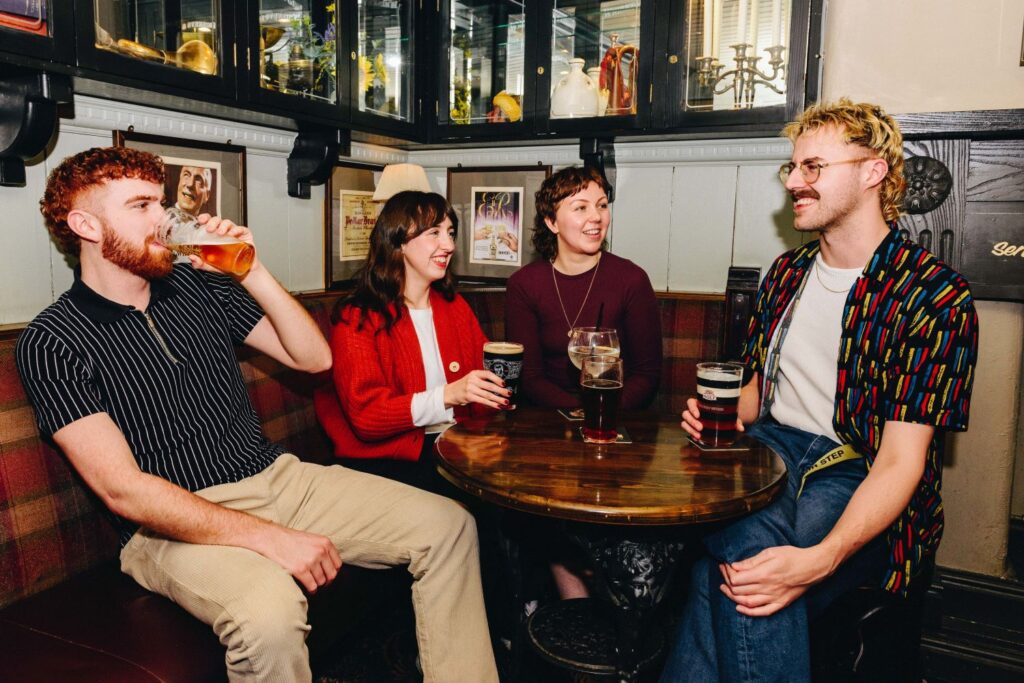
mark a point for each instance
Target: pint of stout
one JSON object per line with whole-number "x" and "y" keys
{"x": 601, "y": 390}
{"x": 505, "y": 359}
{"x": 718, "y": 397}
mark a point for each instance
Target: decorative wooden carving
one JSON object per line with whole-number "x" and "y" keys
{"x": 929, "y": 182}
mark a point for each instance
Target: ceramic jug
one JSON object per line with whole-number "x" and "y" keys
{"x": 575, "y": 95}
{"x": 594, "y": 73}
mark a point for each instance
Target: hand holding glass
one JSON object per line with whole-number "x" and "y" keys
{"x": 601, "y": 387}
{"x": 182, "y": 233}
{"x": 718, "y": 397}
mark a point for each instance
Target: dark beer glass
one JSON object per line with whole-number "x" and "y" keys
{"x": 718, "y": 397}
{"x": 601, "y": 390}
{"x": 505, "y": 359}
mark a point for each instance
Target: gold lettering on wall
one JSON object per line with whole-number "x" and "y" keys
{"x": 1007, "y": 249}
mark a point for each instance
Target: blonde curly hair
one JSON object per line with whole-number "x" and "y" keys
{"x": 867, "y": 125}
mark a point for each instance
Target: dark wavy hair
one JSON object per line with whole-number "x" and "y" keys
{"x": 380, "y": 282}
{"x": 553, "y": 192}
{"x": 86, "y": 170}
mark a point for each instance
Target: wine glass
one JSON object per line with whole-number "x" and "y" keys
{"x": 591, "y": 341}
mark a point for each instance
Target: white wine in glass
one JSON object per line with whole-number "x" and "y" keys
{"x": 591, "y": 341}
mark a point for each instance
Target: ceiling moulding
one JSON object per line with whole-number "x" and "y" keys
{"x": 660, "y": 153}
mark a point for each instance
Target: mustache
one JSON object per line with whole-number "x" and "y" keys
{"x": 809, "y": 193}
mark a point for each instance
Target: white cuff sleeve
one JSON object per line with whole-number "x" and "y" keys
{"x": 428, "y": 408}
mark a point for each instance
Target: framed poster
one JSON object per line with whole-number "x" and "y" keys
{"x": 349, "y": 216}
{"x": 358, "y": 214}
{"x": 496, "y": 219}
{"x": 201, "y": 177}
{"x": 496, "y": 223}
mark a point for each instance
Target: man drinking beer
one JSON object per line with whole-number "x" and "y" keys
{"x": 861, "y": 350}
{"x": 133, "y": 373}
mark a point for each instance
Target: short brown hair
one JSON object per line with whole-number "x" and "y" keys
{"x": 864, "y": 124}
{"x": 553, "y": 192}
{"x": 83, "y": 171}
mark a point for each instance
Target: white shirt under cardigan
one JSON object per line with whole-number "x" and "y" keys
{"x": 428, "y": 406}
{"x": 808, "y": 368}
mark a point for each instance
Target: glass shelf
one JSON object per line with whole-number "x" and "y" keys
{"x": 737, "y": 54}
{"x": 385, "y": 57}
{"x": 595, "y": 58}
{"x": 298, "y": 48}
{"x": 486, "y": 62}
{"x": 181, "y": 35}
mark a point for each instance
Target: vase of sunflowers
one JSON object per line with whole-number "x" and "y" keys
{"x": 373, "y": 77}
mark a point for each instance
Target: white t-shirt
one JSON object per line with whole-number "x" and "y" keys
{"x": 428, "y": 406}
{"x": 805, "y": 392}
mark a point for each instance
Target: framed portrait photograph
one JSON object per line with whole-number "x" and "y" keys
{"x": 349, "y": 216}
{"x": 496, "y": 214}
{"x": 201, "y": 177}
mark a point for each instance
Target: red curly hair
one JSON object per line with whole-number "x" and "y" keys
{"x": 86, "y": 170}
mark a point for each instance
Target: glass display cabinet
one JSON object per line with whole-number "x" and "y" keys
{"x": 383, "y": 65}
{"x": 598, "y": 71}
{"x": 738, "y": 61}
{"x": 184, "y": 43}
{"x": 36, "y": 29}
{"x": 486, "y": 69}
{"x": 292, "y": 54}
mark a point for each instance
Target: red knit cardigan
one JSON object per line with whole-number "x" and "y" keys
{"x": 368, "y": 411}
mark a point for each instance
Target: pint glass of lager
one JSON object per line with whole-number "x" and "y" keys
{"x": 181, "y": 233}
{"x": 718, "y": 396}
{"x": 505, "y": 359}
{"x": 601, "y": 390}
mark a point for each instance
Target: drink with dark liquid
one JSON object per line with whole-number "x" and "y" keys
{"x": 505, "y": 359}
{"x": 601, "y": 390}
{"x": 233, "y": 257}
{"x": 601, "y": 409}
{"x": 718, "y": 397}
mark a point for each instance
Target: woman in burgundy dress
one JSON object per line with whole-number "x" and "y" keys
{"x": 578, "y": 283}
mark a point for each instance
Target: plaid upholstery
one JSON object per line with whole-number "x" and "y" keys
{"x": 52, "y": 527}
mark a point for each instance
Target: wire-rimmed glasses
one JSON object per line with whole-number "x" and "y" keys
{"x": 810, "y": 169}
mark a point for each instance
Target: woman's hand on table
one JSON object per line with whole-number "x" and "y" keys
{"x": 691, "y": 420}
{"x": 478, "y": 386}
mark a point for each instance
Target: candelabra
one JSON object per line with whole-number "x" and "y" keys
{"x": 745, "y": 76}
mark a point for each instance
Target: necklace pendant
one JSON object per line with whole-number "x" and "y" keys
{"x": 569, "y": 334}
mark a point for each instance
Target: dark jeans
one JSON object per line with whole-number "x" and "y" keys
{"x": 717, "y": 643}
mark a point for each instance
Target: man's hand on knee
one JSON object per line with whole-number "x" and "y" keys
{"x": 310, "y": 558}
{"x": 769, "y": 581}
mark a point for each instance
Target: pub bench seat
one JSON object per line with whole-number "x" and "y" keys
{"x": 67, "y": 613}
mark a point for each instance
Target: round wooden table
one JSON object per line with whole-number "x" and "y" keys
{"x": 614, "y": 499}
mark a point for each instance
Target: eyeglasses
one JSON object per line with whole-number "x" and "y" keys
{"x": 811, "y": 169}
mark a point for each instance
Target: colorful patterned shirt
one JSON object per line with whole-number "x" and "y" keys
{"x": 907, "y": 353}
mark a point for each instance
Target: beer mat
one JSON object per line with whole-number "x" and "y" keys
{"x": 623, "y": 436}
{"x": 568, "y": 416}
{"x": 739, "y": 445}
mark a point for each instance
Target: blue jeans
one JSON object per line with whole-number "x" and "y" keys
{"x": 717, "y": 643}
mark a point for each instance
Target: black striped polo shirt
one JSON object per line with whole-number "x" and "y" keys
{"x": 168, "y": 377}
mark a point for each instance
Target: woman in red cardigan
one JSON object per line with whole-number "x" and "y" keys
{"x": 407, "y": 349}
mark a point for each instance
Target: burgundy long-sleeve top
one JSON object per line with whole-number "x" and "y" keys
{"x": 367, "y": 410}
{"x": 534, "y": 318}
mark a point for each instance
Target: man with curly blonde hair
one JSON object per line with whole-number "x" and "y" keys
{"x": 861, "y": 351}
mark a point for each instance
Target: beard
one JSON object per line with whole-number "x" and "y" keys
{"x": 136, "y": 260}
{"x": 827, "y": 213}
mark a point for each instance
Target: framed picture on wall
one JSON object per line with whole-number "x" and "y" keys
{"x": 349, "y": 216}
{"x": 496, "y": 215}
{"x": 201, "y": 177}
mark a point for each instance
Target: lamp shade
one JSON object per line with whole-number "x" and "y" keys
{"x": 398, "y": 178}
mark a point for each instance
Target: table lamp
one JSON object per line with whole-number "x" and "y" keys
{"x": 399, "y": 177}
